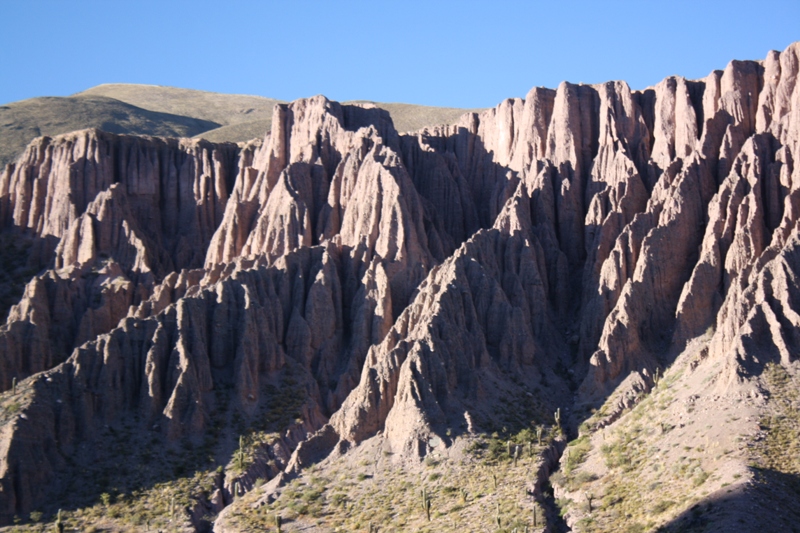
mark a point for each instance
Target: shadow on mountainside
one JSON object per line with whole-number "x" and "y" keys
{"x": 128, "y": 469}
{"x": 23, "y": 121}
{"x": 770, "y": 502}
{"x": 19, "y": 262}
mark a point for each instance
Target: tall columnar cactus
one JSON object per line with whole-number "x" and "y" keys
{"x": 240, "y": 455}
{"x": 557, "y": 416}
{"x": 539, "y": 431}
{"x": 59, "y": 523}
{"x": 426, "y": 503}
{"x": 14, "y": 385}
{"x": 278, "y": 522}
{"x": 497, "y": 519}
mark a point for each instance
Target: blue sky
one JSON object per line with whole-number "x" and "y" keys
{"x": 459, "y": 54}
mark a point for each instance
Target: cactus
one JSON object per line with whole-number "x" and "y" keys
{"x": 539, "y": 431}
{"x": 428, "y": 509}
{"x": 497, "y": 517}
{"x": 535, "y": 521}
{"x": 516, "y": 455}
{"x": 557, "y": 416}
{"x": 14, "y": 385}
{"x": 426, "y": 503}
{"x": 657, "y": 376}
{"x": 59, "y": 523}
{"x": 509, "y": 448}
{"x": 172, "y": 508}
{"x": 494, "y": 479}
{"x": 278, "y": 522}
{"x": 240, "y": 455}
{"x": 589, "y": 498}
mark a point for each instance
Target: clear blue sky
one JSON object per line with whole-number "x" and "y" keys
{"x": 449, "y": 53}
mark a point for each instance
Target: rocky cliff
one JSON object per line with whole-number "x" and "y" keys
{"x": 561, "y": 251}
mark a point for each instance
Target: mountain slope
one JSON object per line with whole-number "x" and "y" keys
{"x": 166, "y": 112}
{"x": 592, "y": 288}
{"x": 223, "y": 109}
{"x": 22, "y": 121}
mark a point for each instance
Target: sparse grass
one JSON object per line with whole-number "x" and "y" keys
{"x": 462, "y": 491}
{"x": 636, "y": 479}
{"x": 780, "y": 449}
{"x": 576, "y": 453}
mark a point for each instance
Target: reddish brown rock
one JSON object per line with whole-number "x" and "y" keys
{"x": 575, "y": 239}
{"x": 128, "y": 209}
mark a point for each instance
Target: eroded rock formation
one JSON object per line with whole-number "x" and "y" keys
{"x": 550, "y": 247}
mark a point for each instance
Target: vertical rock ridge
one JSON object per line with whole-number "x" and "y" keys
{"x": 124, "y": 212}
{"x": 403, "y": 283}
{"x": 171, "y": 184}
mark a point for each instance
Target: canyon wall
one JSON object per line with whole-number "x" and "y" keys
{"x": 542, "y": 251}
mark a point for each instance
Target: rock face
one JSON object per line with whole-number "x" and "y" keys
{"x": 112, "y": 215}
{"x": 541, "y": 252}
